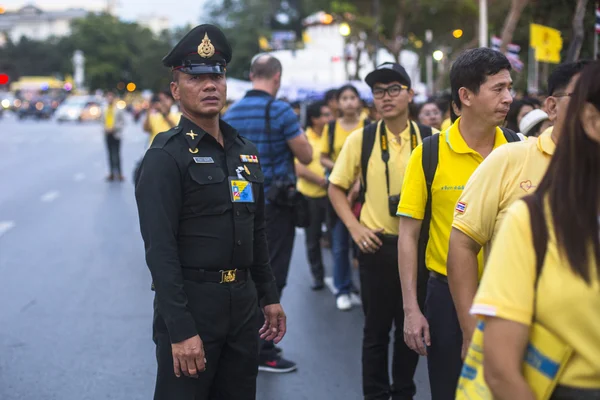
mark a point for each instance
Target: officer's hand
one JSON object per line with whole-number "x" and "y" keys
{"x": 416, "y": 331}
{"x": 275, "y": 323}
{"x": 365, "y": 238}
{"x": 188, "y": 357}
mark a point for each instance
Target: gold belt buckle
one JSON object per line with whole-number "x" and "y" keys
{"x": 228, "y": 276}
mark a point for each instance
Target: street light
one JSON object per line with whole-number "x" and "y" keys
{"x": 457, "y": 33}
{"x": 345, "y": 29}
{"x": 438, "y": 55}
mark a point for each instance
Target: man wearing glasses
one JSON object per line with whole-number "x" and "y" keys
{"x": 385, "y": 148}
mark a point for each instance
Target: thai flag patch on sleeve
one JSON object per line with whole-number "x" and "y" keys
{"x": 461, "y": 207}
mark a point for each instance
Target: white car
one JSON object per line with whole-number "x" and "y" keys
{"x": 72, "y": 108}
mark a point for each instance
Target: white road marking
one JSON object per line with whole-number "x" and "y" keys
{"x": 6, "y": 226}
{"x": 79, "y": 177}
{"x": 50, "y": 196}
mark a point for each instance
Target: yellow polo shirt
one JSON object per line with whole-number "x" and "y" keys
{"x": 565, "y": 304}
{"x": 375, "y": 214}
{"x": 457, "y": 162}
{"x": 158, "y": 124}
{"x": 508, "y": 174}
{"x": 447, "y": 123}
{"x": 304, "y": 186}
{"x": 109, "y": 118}
{"x": 338, "y": 141}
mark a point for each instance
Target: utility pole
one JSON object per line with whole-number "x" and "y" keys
{"x": 429, "y": 61}
{"x": 483, "y": 23}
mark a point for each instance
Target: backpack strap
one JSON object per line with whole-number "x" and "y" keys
{"x": 510, "y": 135}
{"x": 425, "y": 131}
{"x": 539, "y": 231}
{"x": 429, "y": 161}
{"x": 368, "y": 141}
{"x": 331, "y": 137}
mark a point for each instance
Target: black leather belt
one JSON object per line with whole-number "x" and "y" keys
{"x": 222, "y": 276}
{"x": 438, "y": 276}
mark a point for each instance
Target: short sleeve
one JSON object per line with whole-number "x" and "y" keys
{"x": 347, "y": 165}
{"x": 290, "y": 124}
{"x": 413, "y": 197}
{"x": 479, "y": 204}
{"x": 507, "y": 289}
{"x": 324, "y": 144}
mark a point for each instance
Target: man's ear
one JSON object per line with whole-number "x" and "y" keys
{"x": 551, "y": 108}
{"x": 175, "y": 90}
{"x": 465, "y": 96}
{"x": 411, "y": 95}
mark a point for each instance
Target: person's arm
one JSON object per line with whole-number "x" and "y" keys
{"x": 303, "y": 172}
{"x": 301, "y": 149}
{"x": 324, "y": 150}
{"x": 296, "y": 139}
{"x": 463, "y": 280}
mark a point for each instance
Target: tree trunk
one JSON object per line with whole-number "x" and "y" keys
{"x": 578, "y": 31}
{"x": 511, "y": 21}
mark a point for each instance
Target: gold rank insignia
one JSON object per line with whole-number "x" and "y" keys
{"x": 246, "y": 170}
{"x": 192, "y": 134}
{"x": 206, "y": 48}
{"x": 249, "y": 159}
{"x": 193, "y": 151}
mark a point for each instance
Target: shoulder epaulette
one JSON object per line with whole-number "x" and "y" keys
{"x": 163, "y": 138}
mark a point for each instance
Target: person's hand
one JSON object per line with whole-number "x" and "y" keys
{"x": 188, "y": 357}
{"x": 365, "y": 238}
{"x": 416, "y": 331}
{"x": 324, "y": 183}
{"x": 275, "y": 324}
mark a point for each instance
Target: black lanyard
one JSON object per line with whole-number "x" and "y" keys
{"x": 385, "y": 153}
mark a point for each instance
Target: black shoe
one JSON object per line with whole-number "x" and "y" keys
{"x": 318, "y": 285}
{"x": 278, "y": 350}
{"x": 278, "y": 366}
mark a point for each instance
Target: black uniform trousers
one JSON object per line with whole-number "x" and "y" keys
{"x": 381, "y": 295}
{"x": 444, "y": 361}
{"x": 225, "y": 316}
{"x": 317, "y": 209}
{"x": 113, "y": 148}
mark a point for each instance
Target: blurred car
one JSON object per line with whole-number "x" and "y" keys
{"x": 71, "y": 108}
{"x": 37, "y": 108}
{"x": 7, "y": 101}
{"x": 91, "y": 112}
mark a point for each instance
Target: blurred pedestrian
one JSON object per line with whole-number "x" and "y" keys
{"x": 378, "y": 155}
{"x": 313, "y": 185}
{"x": 160, "y": 116}
{"x": 518, "y": 109}
{"x": 437, "y": 172}
{"x": 201, "y": 207}
{"x": 545, "y": 263}
{"x": 113, "y": 119}
{"x": 331, "y": 99}
{"x": 430, "y": 114}
{"x": 533, "y": 123}
{"x": 274, "y": 127}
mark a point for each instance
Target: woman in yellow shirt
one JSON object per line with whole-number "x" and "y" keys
{"x": 565, "y": 297}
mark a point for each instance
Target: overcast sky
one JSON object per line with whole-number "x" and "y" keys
{"x": 179, "y": 12}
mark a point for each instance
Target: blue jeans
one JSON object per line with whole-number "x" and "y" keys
{"x": 340, "y": 247}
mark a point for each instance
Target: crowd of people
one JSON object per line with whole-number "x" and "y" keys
{"x": 470, "y": 210}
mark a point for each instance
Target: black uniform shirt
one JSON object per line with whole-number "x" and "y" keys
{"x": 188, "y": 219}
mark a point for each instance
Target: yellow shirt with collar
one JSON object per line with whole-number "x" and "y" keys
{"x": 338, "y": 141}
{"x": 307, "y": 188}
{"x": 447, "y": 123}
{"x": 158, "y": 124}
{"x": 506, "y": 175}
{"x": 457, "y": 162}
{"x": 564, "y": 303}
{"x": 375, "y": 211}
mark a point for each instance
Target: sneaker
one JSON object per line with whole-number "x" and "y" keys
{"x": 278, "y": 350}
{"x": 343, "y": 302}
{"x": 355, "y": 299}
{"x": 318, "y": 285}
{"x": 278, "y": 366}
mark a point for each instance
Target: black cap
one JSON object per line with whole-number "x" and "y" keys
{"x": 204, "y": 50}
{"x": 388, "y": 72}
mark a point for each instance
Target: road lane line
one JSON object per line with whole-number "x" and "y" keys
{"x": 79, "y": 177}
{"x": 50, "y": 196}
{"x": 6, "y": 226}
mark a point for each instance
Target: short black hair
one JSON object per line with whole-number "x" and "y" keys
{"x": 314, "y": 111}
{"x": 265, "y": 67}
{"x": 344, "y": 88}
{"x": 330, "y": 95}
{"x": 472, "y": 68}
{"x": 559, "y": 78}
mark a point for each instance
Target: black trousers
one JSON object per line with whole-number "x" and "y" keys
{"x": 225, "y": 317}
{"x": 444, "y": 362}
{"x": 113, "y": 147}
{"x": 317, "y": 208}
{"x": 381, "y": 295}
{"x": 280, "y": 239}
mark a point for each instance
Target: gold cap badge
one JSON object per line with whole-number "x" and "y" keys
{"x": 206, "y": 48}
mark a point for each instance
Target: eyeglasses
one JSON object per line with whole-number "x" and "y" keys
{"x": 562, "y": 95}
{"x": 393, "y": 91}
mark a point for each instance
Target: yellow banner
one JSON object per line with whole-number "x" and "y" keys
{"x": 547, "y": 43}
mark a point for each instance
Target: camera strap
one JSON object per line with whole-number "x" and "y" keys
{"x": 385, "y": 152}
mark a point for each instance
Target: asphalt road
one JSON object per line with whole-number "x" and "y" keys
{"x": 75, "y": 304}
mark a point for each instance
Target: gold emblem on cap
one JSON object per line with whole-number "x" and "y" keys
{"x": 206, "y": 48}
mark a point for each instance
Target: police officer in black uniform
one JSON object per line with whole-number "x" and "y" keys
{"x": 201, "y": 207}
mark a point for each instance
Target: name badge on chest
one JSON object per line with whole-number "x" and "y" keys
{"x": 240, "y": 190}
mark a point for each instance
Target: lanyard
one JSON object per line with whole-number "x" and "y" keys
{"x": 385, "y": 153}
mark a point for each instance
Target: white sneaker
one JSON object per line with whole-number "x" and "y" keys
{"x": 343, "y": 302}
{"x": 355, "y": 300}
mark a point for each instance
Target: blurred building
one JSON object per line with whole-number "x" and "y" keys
{"x": 155, "y": 23}
{"x": 36, "y": 24}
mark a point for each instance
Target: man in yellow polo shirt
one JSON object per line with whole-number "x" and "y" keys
{"x": 480, "y": 83}
{"x": 160, "y": 118}
{"x": 508, "y": 174}
{"x": 384, "y": 149}
{"x": 313, "y": 185}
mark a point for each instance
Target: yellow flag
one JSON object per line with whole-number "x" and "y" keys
{"x": 547, "y": 43}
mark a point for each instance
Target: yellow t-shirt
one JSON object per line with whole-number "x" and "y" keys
{"x": 158, "y": 124}
{"x": 375, "y": 212}
{"x": 447, "y": 123}
{"x": 109, "y": 119}
{"x": 457, "y": 162}
{"x": 565, "y": 304}
{"x": 305, "y": 187}
{"x": 508, "y": 174}
{"x": 338, "y": 141}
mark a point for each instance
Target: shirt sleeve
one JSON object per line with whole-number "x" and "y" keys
{"x": 413, "y": 197}
{"x": 507, "y": 289}
{"x": 347, "y": 165}
{"x": 479, "y": 204}
{"x": 159, "y": 196}
{"x": 325, "y": 140}
{"x": 290, "y": 124}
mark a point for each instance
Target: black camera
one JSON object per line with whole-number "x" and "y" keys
{"x": 393, "y": 202}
